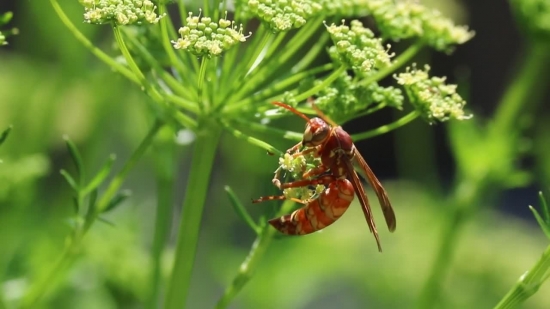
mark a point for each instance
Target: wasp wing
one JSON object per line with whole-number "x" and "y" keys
{"x": 387, "y": 210}
{"x": 365, "y": 206}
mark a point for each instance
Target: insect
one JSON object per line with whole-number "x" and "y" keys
{"x": 334, "y": 147}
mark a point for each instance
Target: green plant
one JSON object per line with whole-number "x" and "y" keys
{"x": 281, "y": 59}
{"x": 530, "y": 282}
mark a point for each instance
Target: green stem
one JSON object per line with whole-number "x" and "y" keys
{"x": 44, "y": 284}
{"x": 165, "y": 175}
{"x": 193, "y": 205}
{"x": 119, "y": 178}
{"x": 165, "y": 39}
{"x": 529, "y": 83}
{"x": 522, "y": 93}
{"x": 325, "y": 83}
{"x": 528, "y": 284}
{"x": 291, "y": 135}
{"x": 200, "y": 82}
{"x": 252, "y": 140}
{"x": 277, "y": 88}
{"x": 403, "y": 58}
{"x": 250, "y": 264}
{"x": 117, "y": 66}
{"x": 386, "y": 128}
{"x": 466, "y": 198}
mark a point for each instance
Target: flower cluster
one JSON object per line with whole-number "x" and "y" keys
{"x": 284, "y": 15}
{"x": 297, "y": 165}
{"x": 434, "y": 99}
{"x": 345, "y": 97}
{"x": 406, "y": 19}
{"x": 122, "y": 12}
{"x": 203, "y": 37}
{"x": 358, "y": 47}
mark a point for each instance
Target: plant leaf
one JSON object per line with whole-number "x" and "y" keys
{"x": 69, "y": 179}
{"x": 100, "y": 176}
{"x": 91, "y": 205}
{"x": 77, "y": 158}
{"x": 543, "y": 225}
{"x": 241, "y": 211}
{"x": 5, "y": 134}
{"x": 117, "y": 200}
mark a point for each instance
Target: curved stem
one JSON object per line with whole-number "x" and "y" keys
{"x": 193, "y": 205}
{"x": 528, "y": 284}
{"x": 249, "y": 265}
{"x": 403, "y": 58}
{"x": 252, "y": 140}
{"x": 42, "y": 285}
{"x": 90, "y": 46}
{"x": 386, "y": 128}
{"x": 277, "y": 88}
{"x": 325, "y": 83}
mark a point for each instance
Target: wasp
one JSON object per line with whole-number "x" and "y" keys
{"x": 327, "y": 141}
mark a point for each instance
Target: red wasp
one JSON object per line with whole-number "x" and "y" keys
{"x": 328, "y": 141}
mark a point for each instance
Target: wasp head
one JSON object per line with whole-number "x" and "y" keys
{"x": 317, "y": 131}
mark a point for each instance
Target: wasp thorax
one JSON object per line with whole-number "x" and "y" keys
{"x": 317, "y": 130}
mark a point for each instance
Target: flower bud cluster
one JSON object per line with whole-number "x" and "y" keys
{"x": 434, "y": 99}
{"x": 284, "y": 15}
{"x": 345, "y": 97}
{"x": 297, "y": 165}
{"x": 203, "y": 37}
{"x": 406, "y": 19}
{"x": 358, "y": 47}
{"x": 122, "y": 12}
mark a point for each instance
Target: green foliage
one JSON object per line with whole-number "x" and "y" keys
{"x": 206, "y": 79}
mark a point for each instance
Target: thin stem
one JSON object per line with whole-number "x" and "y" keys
{"x": 193, "y": 205}
{"x": 165, "y": 176}
{"x": 119, "y": 178}
{"x": 248, "y": 267}
{"x": 279, "y": 60}
{"x": 291, "y": 135}
{"x": 251, "y": 140}
{"x": 166, "y": 22}
{"x": 365, "y": 112}
{"x": 528, "y": 284}
{"x": 466, "y": 198}
{"x": 277, "y": 88}
{"x": 325, "y": 83}
{"x": 200, "y": 81}
{"x": 42, "y": 285}
{"x": 91, "y": 47}
{"x": 386, "y": 128}
{"x": 524, "y": 90}
{"x": 403, "y": 58}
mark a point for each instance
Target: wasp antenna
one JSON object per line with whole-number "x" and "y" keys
{"x": 292, "y": 109}
{"x": 321, "y": 114}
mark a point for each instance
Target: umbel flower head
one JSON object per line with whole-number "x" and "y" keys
{"x": 358, "y": 47}
{"x": 434, "y": 99}
{"x": 284, "y": 15}
{"x": 203, "y": 37}
{"x": 406, "y": 19}
{"x": 122, "y": 12}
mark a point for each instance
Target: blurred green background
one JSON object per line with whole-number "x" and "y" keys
{"x": 51, "y": 86}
